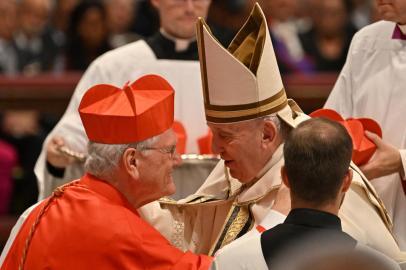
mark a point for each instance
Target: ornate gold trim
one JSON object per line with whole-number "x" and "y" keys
{"x": 372, "y": 194}
{"x": 239, "y": 219}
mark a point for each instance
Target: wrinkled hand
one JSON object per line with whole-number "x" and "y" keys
{"x": 282, "y": 200}
{"x": 385, "y": 161}
{"x": 55, "y": 157}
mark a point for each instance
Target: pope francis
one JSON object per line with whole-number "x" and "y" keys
{"x": 249, "y": 114}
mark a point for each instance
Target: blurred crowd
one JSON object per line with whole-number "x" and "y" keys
{"x": 63, "y": 35}
{"x": 56, "y": 36}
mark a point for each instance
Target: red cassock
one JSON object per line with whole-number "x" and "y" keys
{"x": 92, "y": 226}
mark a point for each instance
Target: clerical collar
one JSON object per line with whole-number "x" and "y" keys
{"x": 313, "y": 218}
{"x": 164, "y": 48}
{"x": 180, "y": 44}
{"x": 399, "y": 32}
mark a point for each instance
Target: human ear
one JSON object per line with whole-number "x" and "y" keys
{"x": 285, "y": 178}
{"x": 269, "y": 131}
{"x": 347, "y": 181}
{"x": 130, "y": 162}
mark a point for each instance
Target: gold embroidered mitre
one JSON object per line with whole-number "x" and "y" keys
{"x": 243, "y": 81}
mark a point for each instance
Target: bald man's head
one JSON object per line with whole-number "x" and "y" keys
{"x": 317, "y": 158}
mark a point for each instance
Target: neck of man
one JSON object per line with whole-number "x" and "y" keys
{"x": 135, "y": 195}
{"x": 137, "y": 199}
{"x": 181, "y": 44}
{"x": 331, "y": 207}
{"x": 274, "y": 156}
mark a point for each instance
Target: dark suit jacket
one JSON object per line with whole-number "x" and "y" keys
{"x": 307, "y": 227}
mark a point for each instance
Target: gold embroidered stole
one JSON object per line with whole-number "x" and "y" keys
{"x": 238, "y": 222}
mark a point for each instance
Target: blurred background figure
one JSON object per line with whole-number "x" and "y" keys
{"x": 226, "y": 18}
{"x": 87, "y": 35}
{"x": 309, "y": 35}
{"x": 146, "y": 21}
{"x": 23, "y": 130}
{"x": 61, "y": 14}
{"x": 285, "y": 29}
{"x": 8, "y": 24}
{"x": 37, "y": 49}
{"x": 60, "y": 19}
{"x": 36, "y": 43}
{"x": 327, "y": 42}
{"x": 8, "y": 159}
{"x": 304, "y": 14}
{"x": 362, "y": 13}
{"x": 120, "y": 19}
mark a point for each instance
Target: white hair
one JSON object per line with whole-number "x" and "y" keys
{"x": 275, "y": 119}
{"x": 103, "y": 159}
{"x": 281, "y": 126}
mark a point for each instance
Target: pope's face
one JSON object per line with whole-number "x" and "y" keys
{"x": 178, "y": 17}
{"x": 240, "y": 146}
{"x": 156, "y": 165}
{"x": 392, "y": 10}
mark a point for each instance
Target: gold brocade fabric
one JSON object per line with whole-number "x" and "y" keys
{"x": 238, "y": 222}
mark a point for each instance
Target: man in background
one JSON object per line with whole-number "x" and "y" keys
{"x": 8, "y": 24}
{"x": 372, "y": 85}
{"x": 37, "y": 45}
{"x": 160, "y": 53}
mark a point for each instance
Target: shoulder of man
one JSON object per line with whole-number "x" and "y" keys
{"x": 375, "y": 31}
{"x": 135, "y": 51}
{"x": 243, "y": 254}
{"x": 375, "y": 258}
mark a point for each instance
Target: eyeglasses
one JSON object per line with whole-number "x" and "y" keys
{"x": 171, "y": 149}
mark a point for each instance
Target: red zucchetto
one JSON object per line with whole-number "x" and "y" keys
{"x": 135, "y": 113}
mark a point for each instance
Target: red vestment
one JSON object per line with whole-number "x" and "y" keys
{"x": 92, "y": 226}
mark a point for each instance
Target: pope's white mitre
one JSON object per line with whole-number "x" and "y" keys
{"x": 243, "y": 81}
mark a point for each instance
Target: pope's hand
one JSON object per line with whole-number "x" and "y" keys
{"x": 55, "y": 157}
{"x": 282, "y": 200}
{"x": 385, "y": 161}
